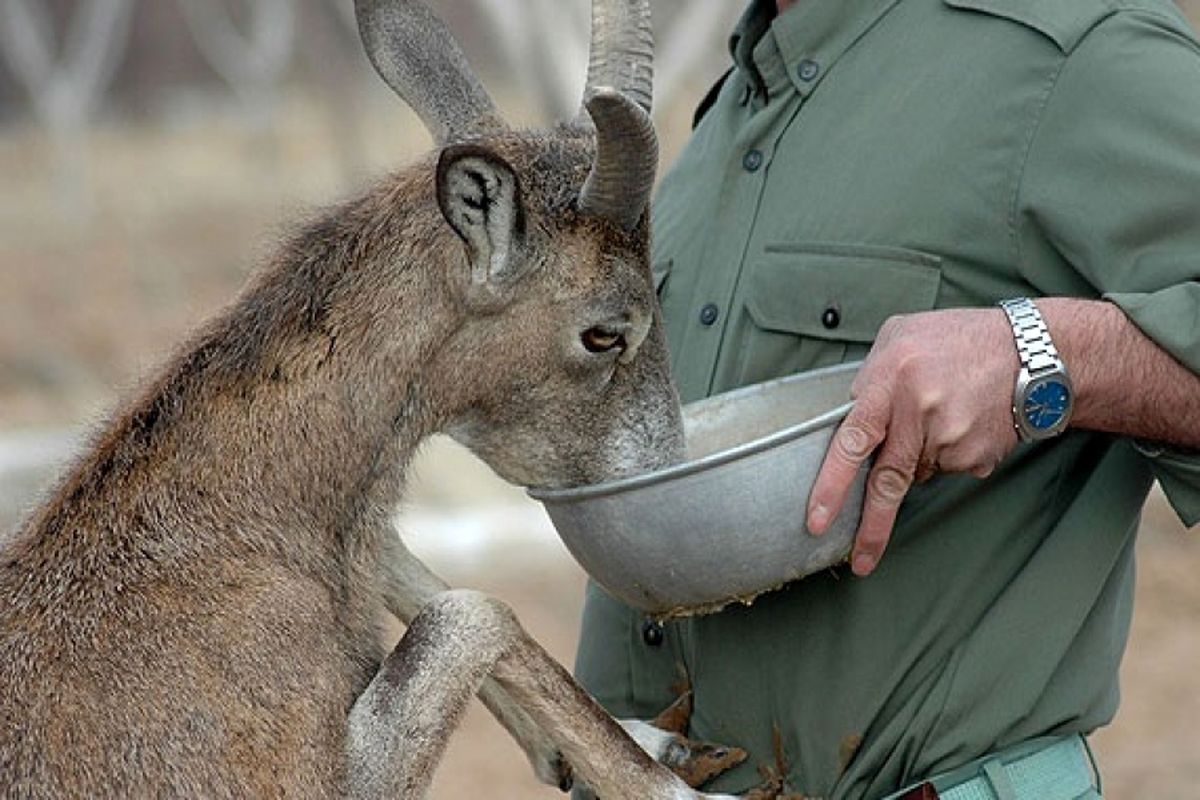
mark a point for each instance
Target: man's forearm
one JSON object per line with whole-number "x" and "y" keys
{"x": 935, "y": 395}
{"x": 1124, "y": 382}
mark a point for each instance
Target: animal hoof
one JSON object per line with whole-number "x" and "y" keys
{"x": 555, "y": 771}
{"x": 699, "y": 762}
{"x": 565, "y": 778}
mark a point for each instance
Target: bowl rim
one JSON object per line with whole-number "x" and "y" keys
{"x": 676, "y": 471}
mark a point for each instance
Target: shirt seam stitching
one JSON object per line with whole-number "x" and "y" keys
{"x": 1023, "y": 161}
{"x": 1031, "y": 138}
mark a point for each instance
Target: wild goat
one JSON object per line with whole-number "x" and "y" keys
{"x": 193, "y": 612}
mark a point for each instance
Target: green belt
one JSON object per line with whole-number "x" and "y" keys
{"x": 1050, "y": 768}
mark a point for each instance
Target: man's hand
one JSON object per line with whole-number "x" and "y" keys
{"x": 934, "y": 395}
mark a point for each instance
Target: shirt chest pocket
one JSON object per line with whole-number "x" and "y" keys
{"x": 811, "y": 305}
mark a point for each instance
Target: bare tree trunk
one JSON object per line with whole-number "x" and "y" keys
{"x": 544, "y": 42}
{"x": 252, "y": 64}
{"x": 65, "y": 92}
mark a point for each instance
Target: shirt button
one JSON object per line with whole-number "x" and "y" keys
{"x": 752, "y": 160}
{"x": 653, "y": 633}
{"x": 831, "y": 318}
{"x": 709, "y": 314}
{"x": 808, "y": 69}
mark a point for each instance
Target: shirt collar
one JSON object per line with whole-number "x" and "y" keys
{"x": 809, "y": 38}
{"x": 755, "y": 21}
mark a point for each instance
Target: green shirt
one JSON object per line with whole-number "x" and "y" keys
{"x": 873, "y": 157}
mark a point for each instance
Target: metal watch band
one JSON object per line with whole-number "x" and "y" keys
{"x": 1034, "y": 347}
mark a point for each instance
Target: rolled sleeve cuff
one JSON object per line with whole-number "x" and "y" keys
{"x": 1171, "y": 318}
{"x": 1178, "y": 473}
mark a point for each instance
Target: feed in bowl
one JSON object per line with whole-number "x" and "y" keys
{"x": 727, "y": 524}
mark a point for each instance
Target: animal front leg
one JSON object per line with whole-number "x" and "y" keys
{"x": 665, "y": 739}
{"x": 605, "y": 757}
{"x": 408, "y": 585}
{"x": 399, "y": 726}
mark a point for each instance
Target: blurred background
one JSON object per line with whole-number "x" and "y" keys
{"x": 152, "y": 151}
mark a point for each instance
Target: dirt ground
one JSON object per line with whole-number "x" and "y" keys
{"x": 94, "y": 290}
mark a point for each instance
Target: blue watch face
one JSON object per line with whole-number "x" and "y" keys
{"x": 1046, "y": 404}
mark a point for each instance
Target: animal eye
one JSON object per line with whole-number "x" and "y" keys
{"x": 599, "y": 340}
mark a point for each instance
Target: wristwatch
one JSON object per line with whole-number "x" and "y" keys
{"x": 1043, "y": 398}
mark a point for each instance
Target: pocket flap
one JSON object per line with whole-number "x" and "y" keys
{"x": 840, "y": 292}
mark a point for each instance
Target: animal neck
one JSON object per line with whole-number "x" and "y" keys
{"x": 292, "y": 415}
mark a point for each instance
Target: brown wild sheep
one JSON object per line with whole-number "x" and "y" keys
{"x": 193, "y": 611}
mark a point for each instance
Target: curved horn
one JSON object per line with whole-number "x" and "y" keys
{"x": 414, "y": 53}
{"x": 622, "y": 50}
{"x": 622, "y": 176}
{"x": 618, "y": 98}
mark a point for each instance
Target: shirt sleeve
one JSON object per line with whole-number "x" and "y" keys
{"x": 1111, "y": 186}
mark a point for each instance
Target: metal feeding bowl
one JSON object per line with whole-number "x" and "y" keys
{"x": 727, "y": 524}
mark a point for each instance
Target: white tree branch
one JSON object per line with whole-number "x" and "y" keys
{"x": 256, "y": 60}
{"x": 65, "y": 92}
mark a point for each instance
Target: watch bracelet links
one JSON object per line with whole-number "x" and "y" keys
{"x": 1034, "y": 347}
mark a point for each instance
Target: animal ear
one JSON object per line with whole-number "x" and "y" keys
{"x": 480, "y": 197}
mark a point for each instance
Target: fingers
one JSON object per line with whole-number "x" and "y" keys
{"x": 887, "y": 484}
{"x": 927, "y": 467}
{"x": 856, "y": 438}
{"x": 897, "y": 431}
{"x": 929, "y": 399}
{"x": 978, "y": 457}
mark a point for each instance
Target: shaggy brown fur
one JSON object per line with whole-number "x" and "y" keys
{"x": 192, "y": 611}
